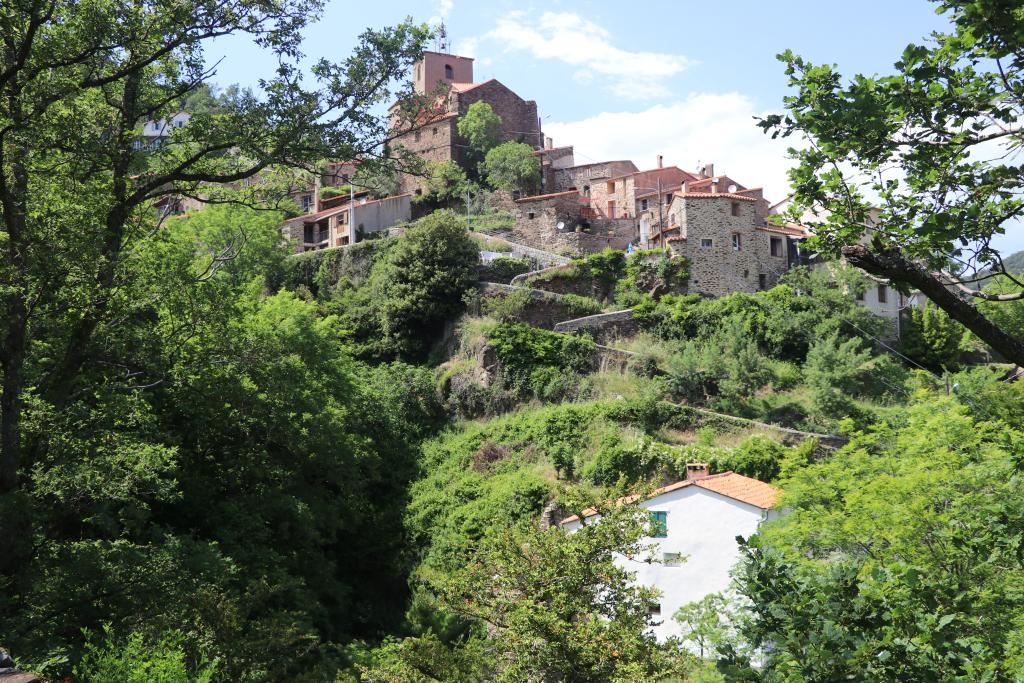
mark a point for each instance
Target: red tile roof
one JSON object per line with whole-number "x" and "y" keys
{"x": 729, "y": 484}
{"x": 788, "y": 229}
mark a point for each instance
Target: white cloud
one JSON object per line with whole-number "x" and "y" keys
{"x": 716, "y": 128}
{"x": 569, "y": 38}
{"x": 444, "y": 8}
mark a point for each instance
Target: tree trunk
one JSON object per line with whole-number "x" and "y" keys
{"x": 893, "y": 265}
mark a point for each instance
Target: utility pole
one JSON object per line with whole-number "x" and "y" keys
{"x": 351, "y": 212}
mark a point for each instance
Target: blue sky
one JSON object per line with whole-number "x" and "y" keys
{"x": 636, "y": 79}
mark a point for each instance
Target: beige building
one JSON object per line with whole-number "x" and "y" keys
{"x": 346, "y": 223}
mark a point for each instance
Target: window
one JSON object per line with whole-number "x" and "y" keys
{"x": 307, "y": 202}
{"x": 776, "y": 246}
{"x": 672, "y": 559}
{"x": 435, "y": 130}
{"x": 883, "y": 294}
{"x": 668, "y": 199}
{"x": 762, "y": 281}
{"x": 416, "y": 136}
{"x": 449, "y": 73}
{"x": 586, "y": 190}
{"x": 611, "y": 188}
{"x": 654, "y": 610}
{"x": 643, "y": 204}
{"x": 859, "y": 296}
{"x": 746, "y": 273}
{"x": 531, "y": 215}
{"x": 737, "y": 241}
{"x": 660, "y": 522}
{"x": 735, "y": 208}
{"x": 706, "y": 243}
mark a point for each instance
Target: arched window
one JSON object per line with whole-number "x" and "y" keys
{"x": 586, "y": 190}
{"x": 449, "y": 73}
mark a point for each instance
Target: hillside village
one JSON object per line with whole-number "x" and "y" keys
{"x": 461, "y": 408}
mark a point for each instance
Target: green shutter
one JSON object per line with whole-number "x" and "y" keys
{"x": 660, "y": 522}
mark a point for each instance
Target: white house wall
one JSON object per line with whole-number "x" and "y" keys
{"x": 702, "y": 526}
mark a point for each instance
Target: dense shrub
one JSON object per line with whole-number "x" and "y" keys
{"x": 526, "y": 353}
{"x": 932, "y": 338}
{"x": 650, "y": 272}
{"x": 503, "y": 269}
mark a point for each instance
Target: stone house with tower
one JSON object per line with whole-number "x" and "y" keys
{"x": 445, "y": 81}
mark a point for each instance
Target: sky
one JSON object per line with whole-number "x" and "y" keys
{"x": 632, "y": 80}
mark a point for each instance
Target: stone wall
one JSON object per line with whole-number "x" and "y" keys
{"x": 603, "y": 326}
{"x": 537, "y": 219}
{"x": 587, "y": 175}
{"x": 542, "y": 309}
{"x": 433, "y": 142}
{"x": 519, "y": 120}
{"x": 718, "y": 268}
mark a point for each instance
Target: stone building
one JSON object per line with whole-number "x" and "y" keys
{"x": 727, "y": 242}
{"x": 553, "y": 159}
{"x": 559, "y": 222}
{"x": 445, "y": 82}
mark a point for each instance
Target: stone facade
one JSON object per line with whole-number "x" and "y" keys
{"x": 721, "y": 242}
{"x": 434, "y": 135}
{"x": 537, "y": 220}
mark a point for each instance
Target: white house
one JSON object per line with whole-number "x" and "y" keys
{"x": 700, "y": 518}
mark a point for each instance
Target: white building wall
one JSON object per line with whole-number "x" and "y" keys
{"x": 702, "y": 526}
{"x": 380, "y": 214}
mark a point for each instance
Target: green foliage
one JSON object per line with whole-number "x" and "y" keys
{"x": 534, "y": 360}
{"x": 417, "y": 283}
{"x": 503, "y": 269}
{"x": 326, "y": 271}
{"x": 553, "y": 605}
{"x": 512, "y": 166}
{"x": 1008, "y": 315}
{"x": 331, "y": 191}
{"x": 447, "y": 183}
{"x": 581, "y": 306}
{"x": 138, "y": 661}
{"x": 481, "y": 128}
{"x": 900, "y": 558}
{"x": 933, "y": 339}
{"x": 650, "y": 272}
{"x": 758, "y": 457}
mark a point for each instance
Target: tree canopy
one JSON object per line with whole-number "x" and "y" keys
{"x": 924, "y": 158}
{"x": 512, "y": 166}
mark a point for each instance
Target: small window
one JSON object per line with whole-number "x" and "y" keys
{"x": 737, "y": 242}
{"x": 307, "y": 202}
{"x": 707, "y": 243}
{"x": 659, "y": 520}
{"x": 435, "y": 130}
{"x": 449, "y": 72}
{"x": 762, "y": 281}
{"x": 531, "y": 215}
{"x": 746, "y": 273}
{"x": 735, "y": 208}
{"x": 416, "y": 136}
{"x": 668, "y": 199}
{"x": 883, "y": 294}
{"x": 859, "y": 296}
{"x": 643, "y": 204}
{"x": 654, "y": 610}
{"x": 586, "y": 190}
{"x": 776, "y": 246}
{"x": 611, "y": 188}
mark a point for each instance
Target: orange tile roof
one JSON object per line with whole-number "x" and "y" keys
{"x": 788, "y": 229}
{"x": 729, "y": 484}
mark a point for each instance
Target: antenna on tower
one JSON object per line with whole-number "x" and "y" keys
{"x": 442, "y": 38}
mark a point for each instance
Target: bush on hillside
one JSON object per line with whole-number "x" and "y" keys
{"x": 503, "y": 269}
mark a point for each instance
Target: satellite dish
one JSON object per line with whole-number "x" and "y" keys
{"x": 560, "y": 226}
{"x": 733, "y": 188}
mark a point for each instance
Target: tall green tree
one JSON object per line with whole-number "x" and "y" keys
{"x": 909, "y": 156}
{"x": 481, "y": 128}
{"x": 932, "y": 338}
{"x": 75, "y": 206}
{"x": 899, "y": 559}
{"x": 512, "y": 166}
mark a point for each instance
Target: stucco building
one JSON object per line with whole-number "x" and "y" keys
{"x": 346, "y": 223}
{"x": 697, "y": 521}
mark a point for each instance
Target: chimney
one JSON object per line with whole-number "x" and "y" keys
{"x": 697, "y": 470}
{"x": 709, "y": 170}
{"x": 714, "y": 185}
{"x": 685, "y": 187}
{"x": 549, "y": 143}
{"x": 659, "y": 161}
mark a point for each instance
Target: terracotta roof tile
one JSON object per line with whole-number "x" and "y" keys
{"x": 729, "y": 484}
